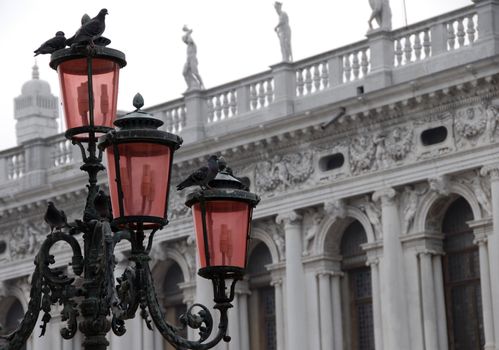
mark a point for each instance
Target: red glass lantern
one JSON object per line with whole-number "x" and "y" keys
{"x": 222, "y": 219}
{"x": 89, "y": 89}
{"x": 139, "y": 161}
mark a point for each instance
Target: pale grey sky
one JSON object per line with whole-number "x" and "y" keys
{"x": 235, "y": 38}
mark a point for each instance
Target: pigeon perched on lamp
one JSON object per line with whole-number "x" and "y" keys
{"x": 55, "y": 218}
{"x": 56, "y": 43}
{"x": 90, "y": 30}
{"x": 202, "y": 176}
{"x": 102, "y": 204}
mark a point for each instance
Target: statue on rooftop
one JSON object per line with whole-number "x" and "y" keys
{"x": 283, "y": 31}
{"x": 190, "y": 72}
{"x": 382, "y": 13}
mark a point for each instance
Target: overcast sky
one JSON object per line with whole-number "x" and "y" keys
{"x": 235, "y": 38}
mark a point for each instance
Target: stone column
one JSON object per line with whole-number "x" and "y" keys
{"x": 396, "y": 332}
{"x": 337, "y": 314}
{"x": 243, "y": 315}
{"x": 279, "y": 313}
{"x": 428, "y": 294}
{"x": 493, "y": 242}
{"x": 295, "y": 281}
{"x": 488, "y": 322}
{"x": 440, "y": 302}
{"x": 376, "y": 292}
{"x": 326, "y": 310}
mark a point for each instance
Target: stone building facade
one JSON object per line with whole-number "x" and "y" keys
{"x": 378, "y": 226}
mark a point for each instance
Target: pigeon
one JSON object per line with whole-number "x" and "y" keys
{"x": 102, "y": 205}
{"x": 55, "y": 218}
{"x": 56, "y": 43}
{"x": 202, "y": 176}
{"x": 90, "y": 30}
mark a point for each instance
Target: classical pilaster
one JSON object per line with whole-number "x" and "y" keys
{"x": 326, "y": 310}
{"x": 337, "y": 314}
{"x": 493, "y": 241}
{"x": 376, "y": 292}
{"x": 396, "y": 332}
{"x": 243, "y": 292}
{"x": 279, "y": 314}
{"x": 440, "y": 302}
{"x": 488, "y": 322}
{"x": 295, "y": 281}
{"x": 428, "y": 295}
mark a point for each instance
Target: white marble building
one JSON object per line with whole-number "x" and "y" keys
{"x": 380, "y": 231}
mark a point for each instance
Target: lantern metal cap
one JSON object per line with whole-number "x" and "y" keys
{"x": 67, "y": 54}
{"x": 138, "y": 119}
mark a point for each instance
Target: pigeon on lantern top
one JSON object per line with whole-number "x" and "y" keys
{"x": 90, "y": 30}
{"x": 202, "y": 176}
{"x": 56, "y": 43}
{"x": 102, "y": 204}
{"x": 55, "y": 218}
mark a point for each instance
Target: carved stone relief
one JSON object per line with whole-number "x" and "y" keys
{"x": 311, "y": 224}
{"x": 283, "y": 172}
{"x": 176, "y": 203}
{"x": 480, "y": 185}
{"x": 24, "y": 238}
{"x": 409, "y": 202}
{"x": 470, "y": 123}
{"x": 276, "y": 232}
{"x": 373, "y": 213}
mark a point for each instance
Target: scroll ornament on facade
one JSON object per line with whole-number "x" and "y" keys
{"x": 283, "y": 172}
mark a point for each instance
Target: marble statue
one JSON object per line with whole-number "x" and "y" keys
{"x": 382, "y": 13}
{"x": 190, "y": 72}
{"x": 283, "y": 31}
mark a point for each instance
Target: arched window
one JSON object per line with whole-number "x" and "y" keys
{"x": 262, "y": 300}
{"x": 12, "y": 318}
{"x": 461, "y": 270}
{"x": 357, "y": 289}
{"x": 173, "y": 298}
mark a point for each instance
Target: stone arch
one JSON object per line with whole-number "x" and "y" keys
{"x": 336, "y": 227}
{"x": 164, "y": 262}
{"x": 261, "y": 235}
{"x": 433, "y": 205}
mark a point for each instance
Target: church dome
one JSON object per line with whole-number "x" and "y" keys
{"x": 36, "y": 86}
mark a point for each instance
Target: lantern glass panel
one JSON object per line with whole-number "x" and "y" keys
{"x": 74, "y": 89}
{"x": 227, "y": 224}
{"x": 144, "y": 170}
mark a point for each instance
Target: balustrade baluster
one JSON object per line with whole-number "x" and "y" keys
{"x": 356, "y": 66}
{"x": 408, "y": 49}
{"x": 317, "y": 78}
{"x": 461, "y": 34}
{"x": 270, "y": 91}
{"x": 451, "y": 36}
{"x": 308, "y": 80}
{"x": 426, "y": 43}
{"x": 218, "y": 108}
{"x": 347, "y": 69}
{"x": 233, "y": 103}
{"x": 253, "y": 97}
{"x": 417, "y": 46}
{"x": 299, "y": 82}
{"x": 325, "y": 74}
{"x": 364, "y": 62}
{"x": 225, "y": 106}
{"x": 471, "y": 29}
{"x": 211, "y": 110}
{"x": 175, "y": 120}
{"x": 261, "y": 94}
{"x": 182, "y": 118}
{"x": 168, "y": 121}
{"x": 398, "y": 52}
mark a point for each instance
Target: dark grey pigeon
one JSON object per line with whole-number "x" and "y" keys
{"x": 102, "y": 204}
{"x": 202, "y": 176}
{"x": 90, "y": 30}
{"x": 56, "y": 43}
{"x": 55, "y": 218}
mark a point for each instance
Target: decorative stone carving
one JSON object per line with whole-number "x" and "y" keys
{"x": 283, "y": 172}
{"x": 25, "y": 238}
{"x": 188, "y": 251}
{"x": 439, "y": 184}
{"x": 409, "y": 201}
{"x": 283, "y": 31}
{"x": 335, "y": 209}
{"x": 382, "y": 13}
{"x": 176, "y": 206}
{"x": 469, "y": 125}
{"x": 491, "y": 170}
{"x": 398, "y": 143}
{"x": 482, "y": 192}
{"x": 276, "y": 231}
{"x": 362, "y": 153}
{"x": 491, "y": 114}
{"x": 190, "y": 71}
{"x": 311, "y": 222}
{"x": 373, "y": 213}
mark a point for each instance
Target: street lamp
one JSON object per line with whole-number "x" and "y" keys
{"x": 140, "y": 159}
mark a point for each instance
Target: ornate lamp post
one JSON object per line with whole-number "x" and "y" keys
{"x": 139, "y": 167}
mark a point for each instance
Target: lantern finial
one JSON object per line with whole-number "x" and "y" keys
{"x": 138, "y": 101}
